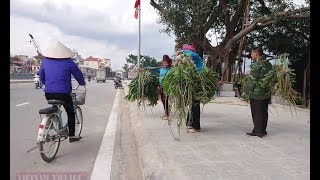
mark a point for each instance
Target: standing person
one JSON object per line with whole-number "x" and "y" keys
{"x": 55, "y": 73}
{"x": 193, "y": 120}
{"x": 259, "y": 96}
{"x": 166, "y": 66}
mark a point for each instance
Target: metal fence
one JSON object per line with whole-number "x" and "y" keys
{"x": 21, "y": 76}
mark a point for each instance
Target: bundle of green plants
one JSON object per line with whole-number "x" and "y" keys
{"x": 143, "y": 89}
{"x": 244, "y": 83}
{"x": 207, "y": 85}
{"x": 180, "y": 84}
{"x": 280, "y": 80}
{"x": 183, "y": 84}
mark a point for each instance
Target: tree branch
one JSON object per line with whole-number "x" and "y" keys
{"x": 226, "y": 12}
{"x": 262, "y": 22}
{"x": 239, "y": 12}
{"x": 299, "y": 17}
{"x": 211, "y": 20}
{"x": 157, "y": 6}
{"x": 261, "y": 26}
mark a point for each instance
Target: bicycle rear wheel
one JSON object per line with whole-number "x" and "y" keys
{"x": 49, "y": 148}
{"x": 78, "y": 121}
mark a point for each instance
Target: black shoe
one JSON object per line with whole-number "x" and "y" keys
{"x": 260, "y": 135}
{"x": 74, "y": 138}
{"x": 251, "y": 134}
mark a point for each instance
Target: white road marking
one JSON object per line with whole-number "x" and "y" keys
{"x": 23, "y": 104}
{"x": 102, "y": 165}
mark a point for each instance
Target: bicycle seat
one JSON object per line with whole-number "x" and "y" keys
{"x": 55, "y": 102}
{"x": 48, "y": 110}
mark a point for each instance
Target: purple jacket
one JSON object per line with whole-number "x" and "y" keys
{"x": 56, "y": 75}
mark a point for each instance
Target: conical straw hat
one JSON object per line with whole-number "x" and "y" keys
{"x": 58, "y": 51}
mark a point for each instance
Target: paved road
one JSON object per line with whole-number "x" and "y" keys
{"x": 25, "y": 101}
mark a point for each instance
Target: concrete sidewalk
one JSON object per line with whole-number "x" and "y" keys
{"x": 222, "y": 150}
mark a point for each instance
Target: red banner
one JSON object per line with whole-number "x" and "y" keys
{"x": 136, "y": 7}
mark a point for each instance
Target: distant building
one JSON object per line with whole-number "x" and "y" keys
{"x": 22, "y": 65}
{"x": 95, "y": 63}
{"x": 16, "y": 67}
{"x": 104, "y": 62}
{"x": 91, "y": 62}
{"x": 23, "y": 58}
{"x": 35, "y": 68}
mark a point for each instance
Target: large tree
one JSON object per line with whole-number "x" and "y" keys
{"x": 191, "y": 20}
{"x": 145, "y": 61}
{"x": 292, "y": 37}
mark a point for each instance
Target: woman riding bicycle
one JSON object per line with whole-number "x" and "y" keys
{"x": 55, "y": 73}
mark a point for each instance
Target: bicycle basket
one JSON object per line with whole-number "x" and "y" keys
{"x": 78, "y": 98}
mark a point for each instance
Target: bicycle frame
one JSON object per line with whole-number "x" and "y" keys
{"x": 60, "y": 123}
{"x": 41, "y": 134}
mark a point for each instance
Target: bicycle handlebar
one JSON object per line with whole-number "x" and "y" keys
{"x": 85, "y": 87}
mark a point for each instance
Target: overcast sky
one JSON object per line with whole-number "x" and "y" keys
{"x": 100, "y": 28}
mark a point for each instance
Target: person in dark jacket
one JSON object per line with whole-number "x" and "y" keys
{"x": 259, "y": 96}
{"x": 55, "y": 73}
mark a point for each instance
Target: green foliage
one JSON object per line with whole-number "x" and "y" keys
{"x": 280, "y": 80}
{"x": 206, "y": 86}
{"x": 185, "y": 18}
{"x": 143, "y": 89}
{"x": 298, "y": 100}
{"x": 146, "y": 61}
{"x": 183, "y": 84}
{"x": 179, "y": 84}
{"x": 290, "y": 36}
{"x": 244, "y": 84}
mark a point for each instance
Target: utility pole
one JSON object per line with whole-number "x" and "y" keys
{"x": 139, "y": 37}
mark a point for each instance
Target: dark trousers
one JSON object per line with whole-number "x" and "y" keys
{"x": 165, "y": 102}
{"x": 259, "y": 112}
{"x": 193, "y": 120}
{"x": 68, "y": 106}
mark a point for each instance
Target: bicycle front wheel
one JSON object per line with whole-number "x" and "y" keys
{"x": 49, "y": 148}
{"x": 78, "y": 121}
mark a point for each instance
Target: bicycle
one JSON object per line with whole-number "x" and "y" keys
{"x": 53, "y": 121}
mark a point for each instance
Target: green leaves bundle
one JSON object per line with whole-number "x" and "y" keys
{"x": 280, "y": 80}
{"x": 143, "y": 89}
{"x": 206, "y": 86}
{"x": 180, "y": 84}
{"x": 183, "y": 84}
{"x": 244, "y": 83}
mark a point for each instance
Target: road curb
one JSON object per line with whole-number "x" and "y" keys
{"x": 20, "y": 81}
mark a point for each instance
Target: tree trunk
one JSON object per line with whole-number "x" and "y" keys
{"x": 305, "y": 83}
{"x": 228, "y": 73}
{"x": 230, "y": 60}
